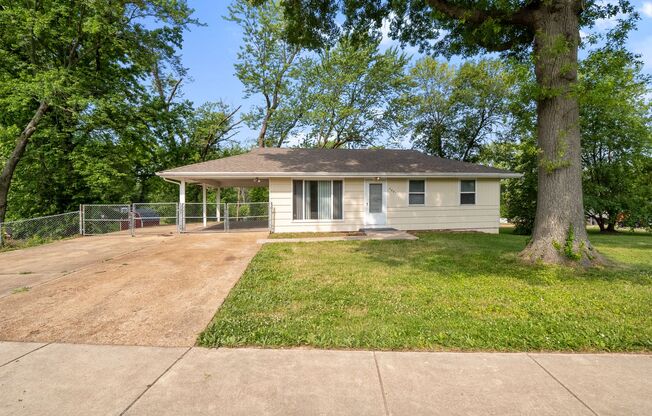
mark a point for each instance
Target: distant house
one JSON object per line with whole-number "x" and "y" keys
{"x": 346, "y": 190}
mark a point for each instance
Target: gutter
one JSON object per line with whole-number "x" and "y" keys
{"x": 244, "y": 175}
{"x": 169, "y": 180}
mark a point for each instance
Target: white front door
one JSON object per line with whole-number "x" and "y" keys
{"x": 375, "y": 203}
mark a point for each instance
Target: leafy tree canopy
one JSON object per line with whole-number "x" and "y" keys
{"x": 453, "y": 112}
{"x": 60, "y": 60}
{"x": 446, "y": 27}
{"x": 346, "y": 92}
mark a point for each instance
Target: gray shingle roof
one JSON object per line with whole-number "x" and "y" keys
{"x": 280, "y": 162}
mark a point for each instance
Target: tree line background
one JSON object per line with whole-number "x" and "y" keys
{"x": 91, "y": 106}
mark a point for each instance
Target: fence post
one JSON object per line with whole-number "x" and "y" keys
{"x": 132, "y": 210}
{"x": 82, "y": 222}
{"x": 269, "y": 217}
{"x": 2, "y": 234}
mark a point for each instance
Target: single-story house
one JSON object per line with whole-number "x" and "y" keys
{"x": 349, "y": 189}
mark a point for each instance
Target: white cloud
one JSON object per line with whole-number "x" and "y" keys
{"x": 608, "y": 23}
{"x": 647, "y": 9}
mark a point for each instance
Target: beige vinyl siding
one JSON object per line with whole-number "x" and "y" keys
{"x": 280, "y": 195}
{"x": 442, "y": 209}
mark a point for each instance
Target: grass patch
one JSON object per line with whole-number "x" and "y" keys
{"x": 11, "y": 245}
{"x": 445, "y": 291}
{"x": 21, "y": 290}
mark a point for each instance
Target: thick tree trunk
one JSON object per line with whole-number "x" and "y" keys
{"x": 600, "y": 222}
{"x": 559, "y": 223}
{"x": 10, "y": 167}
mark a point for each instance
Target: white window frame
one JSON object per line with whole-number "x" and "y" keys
{"x": 303, "y": 199}
{"x": 475, "y": 191}
{"x": 425, "y": 185}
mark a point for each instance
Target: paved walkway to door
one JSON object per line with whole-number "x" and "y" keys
{"x": 99, "y": 379}
{"x": 148, "y": 290}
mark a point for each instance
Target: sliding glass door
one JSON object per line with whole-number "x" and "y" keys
{"x": 316, "y": 200}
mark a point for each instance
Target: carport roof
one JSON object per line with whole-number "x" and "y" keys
{"x": 284, "y": 162}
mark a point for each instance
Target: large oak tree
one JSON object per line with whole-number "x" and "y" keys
{"x": 547, "y": 32}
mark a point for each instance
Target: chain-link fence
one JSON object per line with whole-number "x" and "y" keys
{"x": 248, "y": 215}
{"x": 155, "y": 217}
{"x": 38, "y": 230}
{"x": 132, "y": 219}
{"x": 193, "y": 214}
{"x": 106, "y": 218}
{"x": 224, "y": 217}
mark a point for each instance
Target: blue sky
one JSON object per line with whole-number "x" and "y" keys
{"x": 209, "y": 53}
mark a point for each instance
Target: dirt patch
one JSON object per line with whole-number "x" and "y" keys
{"x": 163, "y": 294}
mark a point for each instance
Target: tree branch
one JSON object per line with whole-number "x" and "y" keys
{"x": 522, "y": 17}
{"x": 173, "y": 93}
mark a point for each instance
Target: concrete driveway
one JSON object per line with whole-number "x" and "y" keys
{"x": 32, "y": 266}
{"x": 68, "y": 379}
{"x": 159, "y": 290}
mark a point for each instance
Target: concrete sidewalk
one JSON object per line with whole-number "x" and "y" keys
{"x": 98, "y": 379}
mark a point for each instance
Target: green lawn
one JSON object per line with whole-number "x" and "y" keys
{"x": 447, "y": 291}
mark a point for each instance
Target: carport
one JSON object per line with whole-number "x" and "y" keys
{"x": 226, "y": 216}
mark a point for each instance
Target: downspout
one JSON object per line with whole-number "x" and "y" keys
{"x": 171, "y": 181}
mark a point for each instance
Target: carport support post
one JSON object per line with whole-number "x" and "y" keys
{"x": 182, "y": 206}
{"x": 218, "y": 201}
{"x": 203, "y": 203}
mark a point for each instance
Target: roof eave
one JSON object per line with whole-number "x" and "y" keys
{"x": 488, "y": 175}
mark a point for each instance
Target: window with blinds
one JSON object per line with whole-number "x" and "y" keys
{"x": 317, "y": 200}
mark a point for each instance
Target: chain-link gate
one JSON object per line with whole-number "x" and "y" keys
{"x": 193, "y": 216}
{"x": 106, "y": 218}
{"x": 249, "y": 215}
{"x": 155, "y": 217}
